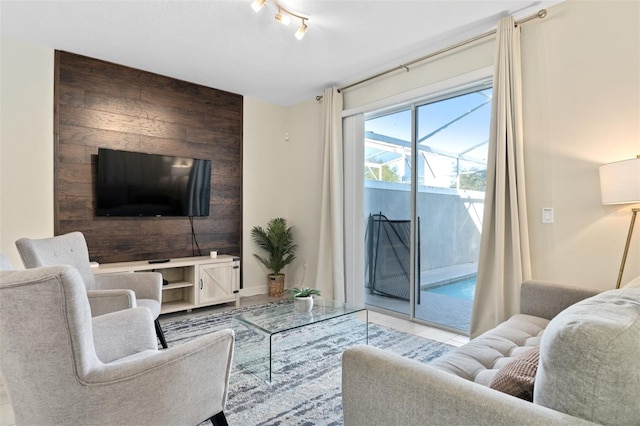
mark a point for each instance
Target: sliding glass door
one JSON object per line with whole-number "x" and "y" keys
{"x": 425, "y": 177}
{"x": 387, "y": 204}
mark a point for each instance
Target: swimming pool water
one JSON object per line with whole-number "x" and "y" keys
{"x": 463, "y": 289}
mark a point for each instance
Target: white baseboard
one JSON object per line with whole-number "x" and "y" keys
{"x": 253, "y": 291}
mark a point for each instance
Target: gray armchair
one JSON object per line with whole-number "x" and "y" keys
{"x": 61, "y": 366}
{"x": 107, "y": 293}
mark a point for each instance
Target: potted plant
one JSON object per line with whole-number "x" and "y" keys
{"x": 303, "y": 298}
{"x": 277, "y": 241}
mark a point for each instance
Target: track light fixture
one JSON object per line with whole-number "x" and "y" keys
{"x": 284, "y": 15}
{"x": 257, "y": 5}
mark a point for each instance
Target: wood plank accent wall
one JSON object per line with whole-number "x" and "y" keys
{"x": 101, "y": 104}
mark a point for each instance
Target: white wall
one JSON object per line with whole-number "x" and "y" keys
{"x": 304, "y": 182}
{"x": 405, "y": 86}
{"x": 581, "y": 84}
{"x": 26, "y": 144}
{"x": 281, "y": 178}
{"x": 264, "y": 165}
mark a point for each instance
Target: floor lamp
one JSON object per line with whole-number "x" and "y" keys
{"x": 620, "y": 184}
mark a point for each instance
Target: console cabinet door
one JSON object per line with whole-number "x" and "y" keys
{"x": 217, "y": 282}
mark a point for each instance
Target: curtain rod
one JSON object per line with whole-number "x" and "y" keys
{"x": 541, "y": 14}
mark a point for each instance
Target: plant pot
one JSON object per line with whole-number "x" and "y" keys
{"x": 302, "y": 304}
{"x": 276, "y": 285}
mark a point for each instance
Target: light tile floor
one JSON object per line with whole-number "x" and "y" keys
{"x": 6, "y": 412}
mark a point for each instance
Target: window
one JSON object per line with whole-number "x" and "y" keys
{"x": 424, "y": 183}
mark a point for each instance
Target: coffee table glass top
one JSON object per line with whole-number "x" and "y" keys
{"x": 282, "y": 318}
{"x": 260, "y": 335}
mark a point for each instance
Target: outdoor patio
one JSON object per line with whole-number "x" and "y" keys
{"x": 438, "y": 309}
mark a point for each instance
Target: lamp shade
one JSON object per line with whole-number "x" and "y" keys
{"x": 620, "y": 182}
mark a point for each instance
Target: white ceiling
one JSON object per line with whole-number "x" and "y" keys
{"x": 226, "y": 45}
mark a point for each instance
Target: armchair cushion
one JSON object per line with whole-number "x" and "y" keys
{"x": 146, "y": 285}
{"x": 105, "y": 301}
{"x": 123, "y": 333}
{"x": 147, "y": 288}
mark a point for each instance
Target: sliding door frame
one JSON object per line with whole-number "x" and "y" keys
{"x": 353, "y": 140}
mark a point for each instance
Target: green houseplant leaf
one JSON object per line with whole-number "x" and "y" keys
{"x": 277, "y": 241}
{"x": 303, "y": 292}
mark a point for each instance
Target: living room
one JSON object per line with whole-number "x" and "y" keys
{"x": 580, "y": 111}
{"x": 581, "y": 105}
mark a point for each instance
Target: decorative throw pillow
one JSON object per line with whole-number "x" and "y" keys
{"x": 517, "y": 376}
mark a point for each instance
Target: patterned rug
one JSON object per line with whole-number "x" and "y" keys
{"x": 305, "y": 387}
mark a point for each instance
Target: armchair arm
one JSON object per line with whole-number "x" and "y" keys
{"x": 146, "y": 285}
{"x": 546, "y": 299}
{"x": 381, "y": 388}
{"x": 191, "y": 378}
{"x": 123, "y": 333}
{"x": 105, "y": 301}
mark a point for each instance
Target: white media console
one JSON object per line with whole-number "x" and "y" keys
{"x": 193, "y": 282}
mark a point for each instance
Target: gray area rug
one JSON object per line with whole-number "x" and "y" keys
{"x": 305, "y": 388}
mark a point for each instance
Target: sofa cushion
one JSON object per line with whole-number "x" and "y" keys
{"x": 481, "y": 358}
{"x": 517, "y": 377}
{"x": 590, "y": 359}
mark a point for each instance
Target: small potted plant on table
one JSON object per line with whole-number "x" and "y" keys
{"x": 303, "y": 298}
{"x": 277, "y": 241}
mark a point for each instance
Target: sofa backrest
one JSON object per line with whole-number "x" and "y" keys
{"x": 590, "y": 359}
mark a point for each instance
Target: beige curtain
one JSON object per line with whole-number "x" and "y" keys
{"x": 353, "y": 151}
{"x": 504, "y": 248}
{"x": 330, "y": 274}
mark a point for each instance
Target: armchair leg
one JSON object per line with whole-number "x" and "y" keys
{"x": 219, "y": 419}
{"x": 160, "y": 334}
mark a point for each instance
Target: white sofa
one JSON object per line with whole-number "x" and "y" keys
{"x": 588, "y": 369}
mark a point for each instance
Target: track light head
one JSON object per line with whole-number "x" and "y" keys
{"x": 283, "y": 18}
{"x": 301, "y": 31}
{"x": 257, "y": 5}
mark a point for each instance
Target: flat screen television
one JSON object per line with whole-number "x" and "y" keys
{"x": 139, "y": 184}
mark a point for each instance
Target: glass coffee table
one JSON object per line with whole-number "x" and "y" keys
{"x": 256, "y": 332}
